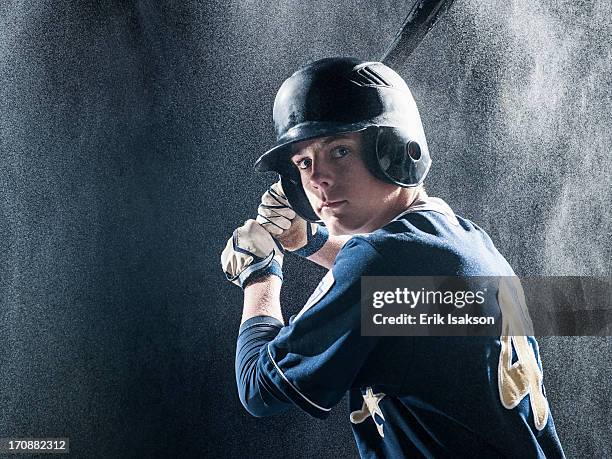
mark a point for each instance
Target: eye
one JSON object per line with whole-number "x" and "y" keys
{"x": 340, "y": 152}
{"x": 303, "y": 163}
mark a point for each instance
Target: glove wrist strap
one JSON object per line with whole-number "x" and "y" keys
{"x": 314, "y": 242}
{"x": 259, "y": 270}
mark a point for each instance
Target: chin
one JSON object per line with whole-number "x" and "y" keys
{"x": 335, "y": 231}
{"x": 337, "y": 228}
{"x": 333, "y": 227}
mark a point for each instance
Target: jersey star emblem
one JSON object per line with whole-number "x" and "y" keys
{"x": 370, "y": 407}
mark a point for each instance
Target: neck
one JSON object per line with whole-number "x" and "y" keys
{"x": 408, "y": 199}
{"x": 398, "y": 202}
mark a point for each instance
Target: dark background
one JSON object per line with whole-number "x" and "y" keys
{"x": 128, "y": 131}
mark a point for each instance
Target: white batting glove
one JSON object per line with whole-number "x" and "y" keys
{"x": 292, "y": 231}
{"x": 251, "y": 253}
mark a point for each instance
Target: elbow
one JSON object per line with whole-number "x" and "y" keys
{"x": 259, "y": 400}
{"x": 256, "y": 407}
{"x": 258, "y": 395}
{"x": 249, "y": 391}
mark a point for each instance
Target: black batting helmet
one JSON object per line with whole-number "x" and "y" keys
{"x": 340, "y": 95}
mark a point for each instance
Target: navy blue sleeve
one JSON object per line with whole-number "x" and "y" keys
{"x": 258, "y": 397}
{"x": 313, "y": 361}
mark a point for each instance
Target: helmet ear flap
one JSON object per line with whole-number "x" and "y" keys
{"x": 374, "y": 153}
{"x": 399, "y": 159}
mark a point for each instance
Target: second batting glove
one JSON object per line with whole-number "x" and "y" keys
{"x": 296, "y": 235}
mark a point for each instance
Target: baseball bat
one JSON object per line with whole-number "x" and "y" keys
{"x": 420, "y": 20}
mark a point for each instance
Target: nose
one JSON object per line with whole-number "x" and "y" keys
{"x": 322, "y": 175}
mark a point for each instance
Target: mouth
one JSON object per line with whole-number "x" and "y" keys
{"x": 332, "y": 204}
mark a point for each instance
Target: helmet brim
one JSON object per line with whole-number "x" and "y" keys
{"x": 275, "y": 158}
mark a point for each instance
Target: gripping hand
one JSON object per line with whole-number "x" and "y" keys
{"x": 292, "y": 231}
{"x": 251, "y": 253}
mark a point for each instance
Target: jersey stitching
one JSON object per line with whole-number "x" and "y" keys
{"x": 292, "y": 386}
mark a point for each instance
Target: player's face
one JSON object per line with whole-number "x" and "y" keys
{"x": 341, "y": 190}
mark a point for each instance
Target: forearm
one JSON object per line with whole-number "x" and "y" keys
{"x": 326, "y": 255}
{"x": 262, "y": 298}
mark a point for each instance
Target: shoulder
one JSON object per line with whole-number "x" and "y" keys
{"x": 426, "y": 220}
{"x": 359, "y": 255}
{"x": 430, "y": 239}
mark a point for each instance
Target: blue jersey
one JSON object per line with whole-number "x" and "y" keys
{"x": 408, "y": 396}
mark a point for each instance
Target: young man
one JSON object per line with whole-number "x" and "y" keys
{"x": 352, "y": 155}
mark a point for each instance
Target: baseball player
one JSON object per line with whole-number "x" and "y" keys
{"x": 352, "y": 157}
